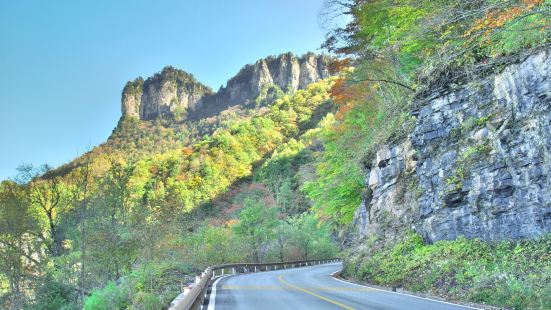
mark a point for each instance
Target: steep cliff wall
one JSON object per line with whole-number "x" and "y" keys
{"x": 477, "y": 164}
{"x": 167, "y": 92}
{"x": 132, "y": 97}
{"x": 286, "y": 71}
{"x": 174, "y": 91}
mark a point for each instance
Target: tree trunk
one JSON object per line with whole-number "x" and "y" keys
{"x": 57, "y": 238}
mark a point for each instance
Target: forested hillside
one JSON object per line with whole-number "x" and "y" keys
{"x": 419, "y": 153}
{"x": 123, "y": 225}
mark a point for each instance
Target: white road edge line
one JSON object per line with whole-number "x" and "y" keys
{"x": 212, "y": 296}
{"x": 378, "y": 289}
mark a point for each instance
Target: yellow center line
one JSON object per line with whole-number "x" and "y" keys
{"x": 280, "y": 278}
{"x": 314, "y": 288}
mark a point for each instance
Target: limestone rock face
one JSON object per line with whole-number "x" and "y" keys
{"x": 478, "y": 163}
{"x": 131, "y": 98}
{"x": 169, "y": 92}
{"x": 174, "y": 92}
{"x": 311, "y": 69}
{"x": 286, "y": 71}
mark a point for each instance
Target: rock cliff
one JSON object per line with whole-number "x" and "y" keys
{"x": 286, "y": 71}
{"x": 168, "y": 92}
{"x": 177, "y": 93}
{"x": 477, "y": 164}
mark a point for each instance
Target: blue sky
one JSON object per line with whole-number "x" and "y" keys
{"x": 63, "y": 64}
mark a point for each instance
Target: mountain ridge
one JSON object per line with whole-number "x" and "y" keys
{"x": 176, "y": 93}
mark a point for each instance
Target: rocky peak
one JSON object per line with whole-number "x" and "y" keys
{"x": 287, "y": 71}
{"x": 131, "y": 97}
{"x": 177, "y": 93}
{"x": 169, "y": 92}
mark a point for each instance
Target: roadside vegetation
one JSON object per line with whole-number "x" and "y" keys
{"x": 511, "y": 274}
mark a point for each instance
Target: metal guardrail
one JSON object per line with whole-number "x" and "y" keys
{"x": 193, "y": 297}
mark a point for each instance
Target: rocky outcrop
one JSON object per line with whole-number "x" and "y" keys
{"x": 286, "y": 71}
{"x": 169, "y": 92}
{"x": 177, "y": 93}
{"x": 132, "y": 97}
{"x": 477, "y": 164}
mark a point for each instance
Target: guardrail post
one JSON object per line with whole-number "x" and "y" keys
{"x": 233, "y": 270}
{"x": 187, "y": 289}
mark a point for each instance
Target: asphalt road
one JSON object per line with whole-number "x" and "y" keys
{"x": 309, "y": 288}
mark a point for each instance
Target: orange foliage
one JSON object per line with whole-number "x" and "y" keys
{"x": 498, "y": 18}
{"x": 345, "y": 95}
{"x": 232, "y": 222}
{"x": 338, "y": 65}
{"x": 187, "y": 151}
{"x": 181, "y": 177}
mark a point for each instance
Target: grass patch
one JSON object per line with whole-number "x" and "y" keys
{"x": 506, "y": 274}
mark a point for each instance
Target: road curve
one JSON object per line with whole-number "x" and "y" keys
{"x": 309, "y": 288}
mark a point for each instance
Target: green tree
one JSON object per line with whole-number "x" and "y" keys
{"x": 256, "y": 226}
{"x": 20, "y": 242}
{"x": 310, "y": 237}
{"x": 50, "y": 194}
